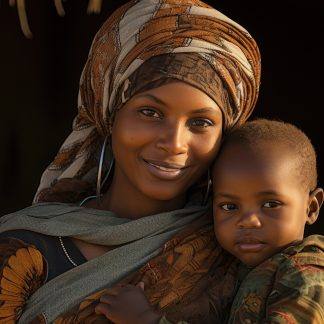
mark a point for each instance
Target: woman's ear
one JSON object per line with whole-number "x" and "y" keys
{"x": 316, "y": 198}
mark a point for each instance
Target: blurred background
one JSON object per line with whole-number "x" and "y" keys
{"x": 39, "y": 79}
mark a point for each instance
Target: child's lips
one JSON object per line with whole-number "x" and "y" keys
{"x": 250, "y": 244}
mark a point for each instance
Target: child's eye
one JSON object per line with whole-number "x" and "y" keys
{"x": 201, "y": 122}
{"x": 228, "y": 207}
{"x": 148, "y": 112}
{"x": 272, "y": 204}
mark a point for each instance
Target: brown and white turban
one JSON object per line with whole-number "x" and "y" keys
{"x": 141, "y": 45}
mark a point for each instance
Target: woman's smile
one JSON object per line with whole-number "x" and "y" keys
{"x": 165, "y": 170}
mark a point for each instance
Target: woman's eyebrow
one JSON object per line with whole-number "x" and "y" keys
{"x": 161, "y": 102}
{"x": 204, "y": 110}
{"x": 150, "y": 96}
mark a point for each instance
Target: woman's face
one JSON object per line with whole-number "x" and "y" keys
{"x": 164, "y": 139}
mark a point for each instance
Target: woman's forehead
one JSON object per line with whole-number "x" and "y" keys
{"x": 179, "y": 93}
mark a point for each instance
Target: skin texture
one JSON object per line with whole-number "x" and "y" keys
{"x": 174, "y": 126}
{"x": 259, "y": 205}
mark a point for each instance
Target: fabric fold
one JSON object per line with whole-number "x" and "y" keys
{"x": 136, "y": 241}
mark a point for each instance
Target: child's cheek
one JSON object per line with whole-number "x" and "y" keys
{"x": 222, "y": 229}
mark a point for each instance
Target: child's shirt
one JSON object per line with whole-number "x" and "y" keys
{"x": 287, "y": 288}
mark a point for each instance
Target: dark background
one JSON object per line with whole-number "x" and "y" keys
{"x": 39, "y": 79}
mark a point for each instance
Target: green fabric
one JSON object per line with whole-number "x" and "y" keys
{"x": 140, "y": 240}
{"x": 287, "y": 288}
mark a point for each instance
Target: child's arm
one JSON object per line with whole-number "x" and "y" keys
{"x": 128, "y": 305}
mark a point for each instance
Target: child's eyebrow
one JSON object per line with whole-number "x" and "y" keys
{"x": 268, "y": 192}
{"x": 225, "y": 195}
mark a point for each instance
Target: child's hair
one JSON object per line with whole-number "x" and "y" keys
{"x": 256, "y": 132}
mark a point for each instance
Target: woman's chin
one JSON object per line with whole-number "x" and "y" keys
{"x": 164, "y": 193}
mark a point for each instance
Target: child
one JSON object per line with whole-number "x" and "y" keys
{"x": 264, "y": 192}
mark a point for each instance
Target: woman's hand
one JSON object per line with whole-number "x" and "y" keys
{"x": 127, "y": 305}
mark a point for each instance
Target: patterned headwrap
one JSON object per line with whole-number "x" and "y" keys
{"x": 140, "y": 46}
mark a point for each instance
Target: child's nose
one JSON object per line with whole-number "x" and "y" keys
{"x": 249, "y": 220}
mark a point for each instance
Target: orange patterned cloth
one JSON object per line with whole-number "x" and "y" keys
{"x": 193, "y": 279}
{"x": 23, "y": 270}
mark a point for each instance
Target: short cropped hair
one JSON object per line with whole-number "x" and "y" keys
{"x": 254, "y": 133}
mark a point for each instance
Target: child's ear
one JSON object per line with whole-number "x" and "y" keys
{"x": 316, "y": 198}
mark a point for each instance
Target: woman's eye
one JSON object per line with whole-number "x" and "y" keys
{"x": 228, "y": 207}
{"x": 150, "y": 113}
{"x": 201, "y": 122}
{"x": 272, "y": 204}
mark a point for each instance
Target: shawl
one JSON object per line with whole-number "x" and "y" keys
{"x": 135, "y": 241}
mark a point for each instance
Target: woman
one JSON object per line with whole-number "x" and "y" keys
{"x": 163, "y": 82}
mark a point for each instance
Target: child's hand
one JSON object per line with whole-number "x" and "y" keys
{"x": 127, "y": 305}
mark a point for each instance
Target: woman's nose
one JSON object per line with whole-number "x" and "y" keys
{"x": 249, "y": 220}
{"x": 174, "y": 139}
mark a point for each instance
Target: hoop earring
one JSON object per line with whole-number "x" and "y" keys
{"x": 100, "y": 167}
{"x": 209, "y": 182}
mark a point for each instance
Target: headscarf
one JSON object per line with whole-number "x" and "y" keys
{"x": 181, "y": 39}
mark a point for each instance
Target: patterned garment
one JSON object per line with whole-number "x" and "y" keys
{"x": 285, "y": 289}
{"x": 23, "y": 271}
{"x": 135, "y": 33}
{"x": 192, "y": 279}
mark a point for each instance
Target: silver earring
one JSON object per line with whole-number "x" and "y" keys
{"x": 209, "y": 182}
{"x": 100, "y": 183}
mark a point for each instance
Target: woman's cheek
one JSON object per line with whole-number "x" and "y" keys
{"x": 132, "y": 134}
{"x": 208, "y": 143}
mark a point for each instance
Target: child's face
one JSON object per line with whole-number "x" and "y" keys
{"x": 259, "y": 203}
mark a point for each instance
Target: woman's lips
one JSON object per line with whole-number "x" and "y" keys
{"x": 164, "y": 170}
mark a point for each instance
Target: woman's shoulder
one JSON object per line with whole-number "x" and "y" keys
{"x": 40, "y": 241}
{"x": 27, "y": 261}
{"x": 53, "y": 249}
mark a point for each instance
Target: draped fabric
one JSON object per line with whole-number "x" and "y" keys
{"x": 191, "y": 279}
{"x": 134, "y": 242}
{"x": 135, "y": 33}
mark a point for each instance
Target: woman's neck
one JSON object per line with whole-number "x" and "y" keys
{"x": 126, "y": 201}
